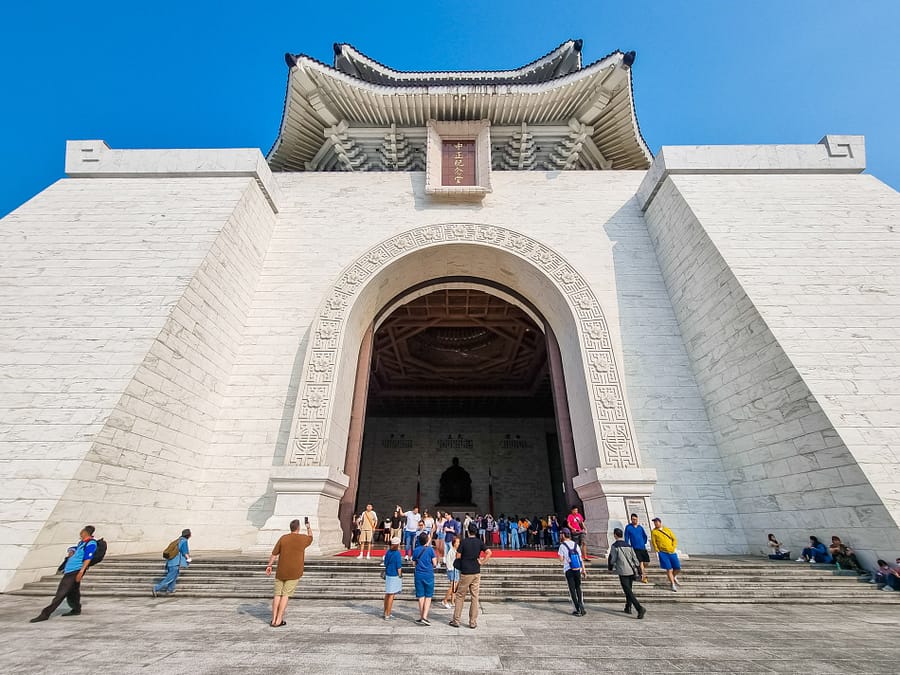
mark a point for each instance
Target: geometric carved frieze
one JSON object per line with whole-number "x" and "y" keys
{"x": 317, "y": 386}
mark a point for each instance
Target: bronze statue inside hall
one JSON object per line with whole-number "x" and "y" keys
{"x": 456, "y": 486}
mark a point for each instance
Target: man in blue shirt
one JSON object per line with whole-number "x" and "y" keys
{"x": 174, "y": 564}
{"x": 76, "y": 565}
{"x": 636, "y": 538}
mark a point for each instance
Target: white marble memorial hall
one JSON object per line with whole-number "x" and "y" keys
{"x": 484, "y": 265}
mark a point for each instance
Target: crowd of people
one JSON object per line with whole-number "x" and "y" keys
{"x": 513, "y": 532}
{"x": 461, "y": 547}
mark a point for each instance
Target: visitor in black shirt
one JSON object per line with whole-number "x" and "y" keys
{"x": 469, "y": 562}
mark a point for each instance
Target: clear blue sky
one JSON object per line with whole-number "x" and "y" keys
{"x": 197, "y": 74}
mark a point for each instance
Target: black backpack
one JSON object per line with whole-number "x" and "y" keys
{"x": 100, "y": 553}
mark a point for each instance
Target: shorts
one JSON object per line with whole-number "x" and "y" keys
{"x": 577, "y": 537}
{"x": 424, "y": 587}
{"x": 392, "y": 585}
{"x": 643, "y": 555}
{"x": 453, "y": 575}
{"x": 365, "y": 536}
{"x": 286, "y": 587}
{"x": 668, "y": 561}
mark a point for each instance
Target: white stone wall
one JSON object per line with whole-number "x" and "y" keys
{"x": 786, "y": 291}
{"x": 521, "y": 475}
{"x": 121, "y": 300}
{"x": 327, "y": 220}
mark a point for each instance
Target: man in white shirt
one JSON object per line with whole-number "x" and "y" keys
{"x": 410, "y": 530}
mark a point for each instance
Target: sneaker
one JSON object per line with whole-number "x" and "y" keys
{"x": 674, "y": 588}
{"x": 888, "y": 588}
{"x": 577, "y": 612}
{"x": 801, "y": 559}
{"x": 41, "y": 617}
{"x": 72, "y": 612}
{"x": 446, "y": 605}
{"x": 359, "y": 557}
{"x": 641, "y": 613}
{"x": 426, "y": 622}
{"x": 812, "y": 560}
{"x": 422, "y": 622}
{"x": 368, "y": 556}
{"x": 627, "y": 610}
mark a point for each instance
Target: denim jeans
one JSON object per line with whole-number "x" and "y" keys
{"x": 173, "y": 569}
{"x": 503, "y": 539}
{"x": 555, "y": 535}
{"x": 409, "y": 539}
{"x": 514, "y": 541}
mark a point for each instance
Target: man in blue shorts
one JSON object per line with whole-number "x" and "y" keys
{"x": 664, "y": 542}
{"x": 425, "y": 560}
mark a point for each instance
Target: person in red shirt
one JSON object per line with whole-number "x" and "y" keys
{"x": 575, "y": 521}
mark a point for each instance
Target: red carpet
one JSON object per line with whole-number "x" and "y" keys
{"x": 496, "y": 553}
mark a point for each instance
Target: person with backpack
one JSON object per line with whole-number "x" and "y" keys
{"x": 177, "y": 555}
{"x": 624, "y": 561}
{"x": 573, "y": 567}
{"x": 85, "y": 553}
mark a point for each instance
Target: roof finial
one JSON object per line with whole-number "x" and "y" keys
{"x": 290, "y": 60}
{"x": 629, "y": 57}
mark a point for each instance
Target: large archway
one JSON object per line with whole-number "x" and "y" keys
{"x": 606, "y": 455}
{"x": 459, "y": 370}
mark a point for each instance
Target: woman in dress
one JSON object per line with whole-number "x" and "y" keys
{"x": 393, "y": 573}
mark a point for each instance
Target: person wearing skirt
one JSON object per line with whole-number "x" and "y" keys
{"x": 393, "y": 576}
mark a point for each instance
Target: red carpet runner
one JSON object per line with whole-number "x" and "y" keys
{"x": 496, "y": 553}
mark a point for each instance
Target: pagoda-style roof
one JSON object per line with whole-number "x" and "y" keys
{"x": 551, "y": 114}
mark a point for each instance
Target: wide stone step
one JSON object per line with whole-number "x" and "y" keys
{"x": 705, "y": 580}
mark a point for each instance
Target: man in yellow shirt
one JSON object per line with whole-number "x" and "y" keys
{"x": 664, "y": 542}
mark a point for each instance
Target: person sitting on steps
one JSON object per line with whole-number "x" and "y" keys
{"x": 815, "y": 552}
{"x": 776, "y": 550}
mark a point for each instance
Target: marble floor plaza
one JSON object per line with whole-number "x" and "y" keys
{"x": 175, "y": 635}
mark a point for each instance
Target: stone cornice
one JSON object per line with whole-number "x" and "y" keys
{"x": 95, "y": 159}
{"x": 833, "y": 154}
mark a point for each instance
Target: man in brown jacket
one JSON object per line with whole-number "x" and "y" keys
{"x": 289, "y": 551}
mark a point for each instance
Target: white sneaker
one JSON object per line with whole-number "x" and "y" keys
{"x": 812, "y": 560}
{"x": 674, "y": 588}
{"x": 801, "y": 559}
{"x": 368, "y": 556}
{"x": 888, "y": 588}
{"x": 359, "y": 557}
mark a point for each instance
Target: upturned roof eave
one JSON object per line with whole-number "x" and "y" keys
{"x": 400, "y": 75}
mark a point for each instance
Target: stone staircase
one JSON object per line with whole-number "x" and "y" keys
{"x": 704, "y": 580}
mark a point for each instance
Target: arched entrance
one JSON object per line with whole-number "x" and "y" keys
{"x": 319, "y": 464}
{"x": 459, "y": 369}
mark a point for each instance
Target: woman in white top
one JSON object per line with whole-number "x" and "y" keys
{"x": 452, "y": 573}
{"x": 776, "y": 550}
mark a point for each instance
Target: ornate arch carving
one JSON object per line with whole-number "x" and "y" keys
{"x": 317, "y": 388}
